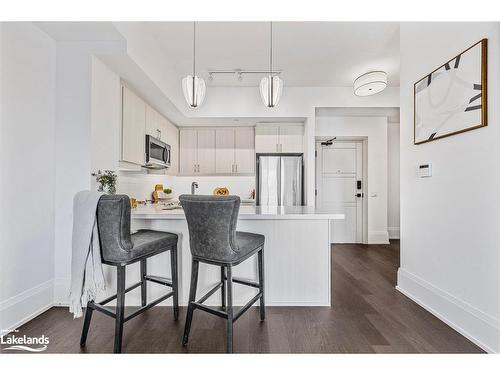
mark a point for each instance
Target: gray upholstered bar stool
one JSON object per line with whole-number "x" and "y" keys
{"x": 213, "y": 239}
{"x": 119, "y": 248}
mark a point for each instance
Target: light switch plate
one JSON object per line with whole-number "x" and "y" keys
{"x": 425, "y": 170}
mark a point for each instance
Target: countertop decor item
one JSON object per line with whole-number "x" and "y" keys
{"x": 452, "y": 98}
{"x": 107, "y": 182}
{"x": 221, "y": 191}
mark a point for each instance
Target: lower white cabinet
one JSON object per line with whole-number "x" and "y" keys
{"x": 223, "y": 151}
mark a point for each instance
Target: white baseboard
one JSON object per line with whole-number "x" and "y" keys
{"x": 378, "y": 237}
{"x": 393, "y": 233}
{"x": 61, "y": 291}
{"x": 479, "y": 327}
{"x": 23, "y": 307}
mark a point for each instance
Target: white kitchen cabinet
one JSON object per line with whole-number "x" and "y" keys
{"x": 244, "y": 150}
{"x": 276, "y": 138}
{"x": 133, "y": 127}
{"x": 224, "y": 151}
{"x": 172, "y": 139}
{"x": 267, "y": 138}
{"x": 188, "y": 151}
{"x": 197, "y": 151}
{"x": 291, "y": 138}
{"x": 206, "y": 151}
{"x": 219, "y": 151}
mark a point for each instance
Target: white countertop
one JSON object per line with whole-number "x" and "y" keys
{"x": 158, "y": 212}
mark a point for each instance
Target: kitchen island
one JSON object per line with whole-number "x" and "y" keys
{"x": 296, "y": 254}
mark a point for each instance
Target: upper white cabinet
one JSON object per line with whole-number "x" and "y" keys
{"x": 160, "y": 127}
{"x": 217, "y": 151}
{"x": 197, "y": 151}
{"x": 279, "y": 138}
{"x": 139, "y": 119}
{"x": 235, "y": 150}
{"x": 133, "y": 127}
{"x": 244, "y": 150}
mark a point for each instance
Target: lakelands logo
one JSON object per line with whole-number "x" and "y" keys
{"x": 24, "y": 343}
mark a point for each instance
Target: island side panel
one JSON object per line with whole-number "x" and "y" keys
{"x": 296, "y": 257}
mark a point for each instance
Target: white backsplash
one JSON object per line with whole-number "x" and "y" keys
{"x": 141, "y": 185}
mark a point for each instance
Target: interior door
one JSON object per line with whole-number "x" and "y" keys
{"x": 340, "y": 167}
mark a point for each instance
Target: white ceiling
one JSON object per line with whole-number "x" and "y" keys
{"x": 309, "y": 53}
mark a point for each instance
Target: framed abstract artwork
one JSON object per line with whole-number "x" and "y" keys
{"x": 452, "y": 98}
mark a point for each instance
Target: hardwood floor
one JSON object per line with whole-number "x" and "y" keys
{"x": 369, "y": 316}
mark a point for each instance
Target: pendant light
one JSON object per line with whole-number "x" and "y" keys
{"x": 272, "y": 85}
{"x": 194, "y": 87}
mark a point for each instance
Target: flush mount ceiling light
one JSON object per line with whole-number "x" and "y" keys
{"x": 194, "y": 87}
{"x": 272, "y": 85}
{"x": 370, "y": 83}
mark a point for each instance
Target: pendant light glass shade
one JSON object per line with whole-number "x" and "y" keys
{"x": 270, "y": 90}
{"x": 194, "y": 89}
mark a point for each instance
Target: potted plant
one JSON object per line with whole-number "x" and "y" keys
{"x": 168, "y": 193}
{"x": 107, "y": 182}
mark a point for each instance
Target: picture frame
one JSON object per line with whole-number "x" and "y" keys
{"x": 452, "y": 99}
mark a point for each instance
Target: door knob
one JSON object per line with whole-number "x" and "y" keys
{"x": 359, "y": 195}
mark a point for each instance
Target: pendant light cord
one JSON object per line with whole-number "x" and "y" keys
{"x": 194, "y": 49}
{"x": 271, "y": 49}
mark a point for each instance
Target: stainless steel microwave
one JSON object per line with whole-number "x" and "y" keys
{"x": 157, "y": 153}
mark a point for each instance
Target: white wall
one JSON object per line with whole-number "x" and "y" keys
{"x": 450, "y": 247}
{"x": 393, "y": 180}
{"x": 27, "y": 165}
{"x": 105, "y": 117}
{"x": 375, "y": 129}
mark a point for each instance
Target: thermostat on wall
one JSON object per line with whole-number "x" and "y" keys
{"x": 425, "y": 170}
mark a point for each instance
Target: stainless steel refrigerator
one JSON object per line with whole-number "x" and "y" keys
{"x": 280, "y": 180}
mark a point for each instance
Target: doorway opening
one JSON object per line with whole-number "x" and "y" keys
{"x": 341, "y": 185}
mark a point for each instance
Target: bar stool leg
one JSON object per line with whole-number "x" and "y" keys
{"x": 229, "y": 310}
{"x": 175, "y": 281}
{"x": 262, "y": 308}
{"x": 223, "y": 287}
{"x": 144, "y": 272}
{"x": 120, "y": 307}
{"x": 86, "y": 324}
{"x": 192, "y": 298}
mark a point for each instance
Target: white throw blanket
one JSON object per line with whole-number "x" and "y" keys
{"x": 87, "y": 277}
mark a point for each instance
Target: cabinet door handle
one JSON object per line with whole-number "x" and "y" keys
{"x": 281, "y": 147}
{"x": 232, "y": 168}
{"x": 236, "y": 166}
{"x": 198, "y": 168}
{"x": 194, "y": 167}
{"x": 277, "y": 148}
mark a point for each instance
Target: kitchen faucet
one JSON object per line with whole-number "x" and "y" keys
{"x": 194, "y": 185}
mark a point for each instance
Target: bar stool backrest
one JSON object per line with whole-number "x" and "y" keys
{"x": 212, "y": 224}
{"x": 113, "y": 222}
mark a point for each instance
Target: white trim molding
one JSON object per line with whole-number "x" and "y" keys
{"x": 378, "y": 237}
{"x": 393, "y": 233}
{"x": 21, "y": 308}
{"x": 476, "y": 325}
